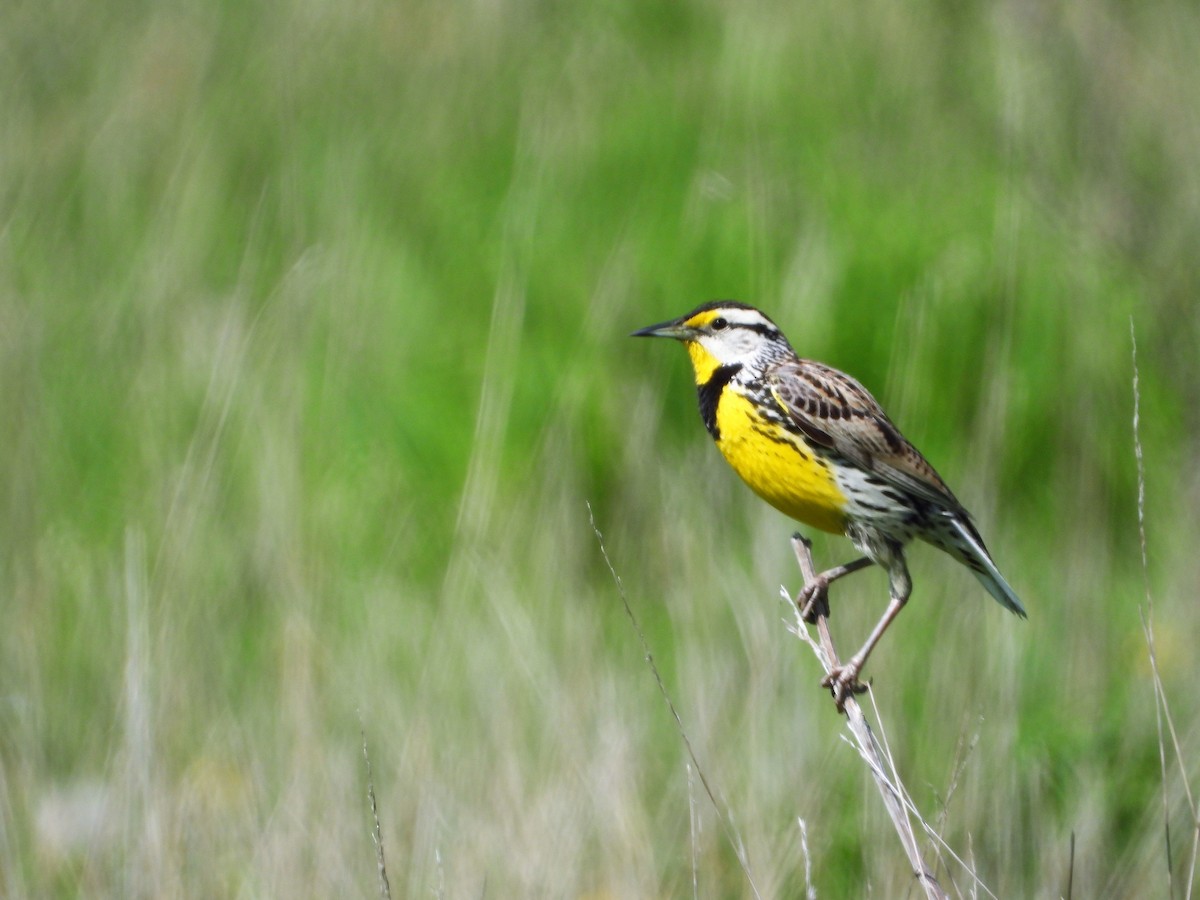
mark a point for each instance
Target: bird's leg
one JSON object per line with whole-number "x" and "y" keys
{"x": 813, "y": 598}
{"x": 843, "y": 679}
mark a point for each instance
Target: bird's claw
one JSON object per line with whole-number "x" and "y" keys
{"x": 813, "y": 600}
{"x": 843, "y": 683}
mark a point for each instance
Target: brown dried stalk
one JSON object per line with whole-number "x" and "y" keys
{"x": 890, "y": 789}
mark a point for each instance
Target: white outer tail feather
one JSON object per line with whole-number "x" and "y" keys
{"x": 991, "y": 578}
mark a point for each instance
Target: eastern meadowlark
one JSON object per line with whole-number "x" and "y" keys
{"x": 815, "y": 444}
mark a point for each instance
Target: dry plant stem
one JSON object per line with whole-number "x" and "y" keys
{"x": 864, "y": 738}
{"x": 731, "y": 832}
{"x": 385, "y": 888}
{"x": 1162, "y": 707}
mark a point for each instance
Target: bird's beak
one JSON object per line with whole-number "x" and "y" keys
{"x": 673, "y": 329}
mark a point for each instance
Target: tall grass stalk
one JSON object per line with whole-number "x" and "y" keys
{"x": 724, "y": 815}
{"x": 1162, "y": 706}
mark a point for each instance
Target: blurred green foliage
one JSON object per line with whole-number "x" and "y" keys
{"x": 325, "y": 304}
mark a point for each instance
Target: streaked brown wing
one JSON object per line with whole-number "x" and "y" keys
{"x": 837, "y": 412}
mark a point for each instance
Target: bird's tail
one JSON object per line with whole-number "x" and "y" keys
{"x": 963, "y": 542}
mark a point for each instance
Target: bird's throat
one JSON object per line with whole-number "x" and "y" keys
{"x": 704, "y": 364}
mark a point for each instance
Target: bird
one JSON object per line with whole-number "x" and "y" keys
{"x": 816, "y": 445}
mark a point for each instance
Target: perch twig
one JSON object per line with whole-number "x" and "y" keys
{"x": 864, "y": 738}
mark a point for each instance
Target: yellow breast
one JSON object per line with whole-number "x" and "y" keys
{"x": 777, "y": 465}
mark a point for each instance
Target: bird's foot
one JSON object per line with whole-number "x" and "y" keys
{"x": 843, "y": 683}
{"x": 813, "y": 599}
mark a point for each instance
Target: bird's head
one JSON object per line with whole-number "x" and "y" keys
{"x": 723, "y": 333}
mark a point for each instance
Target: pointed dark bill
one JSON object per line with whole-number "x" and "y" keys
{"x": 672, "y": 329}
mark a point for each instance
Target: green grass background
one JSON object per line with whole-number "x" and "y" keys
{"x": 313, "y": 347}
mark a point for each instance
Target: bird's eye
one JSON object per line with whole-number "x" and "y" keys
{"x": 719, "y": 324}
